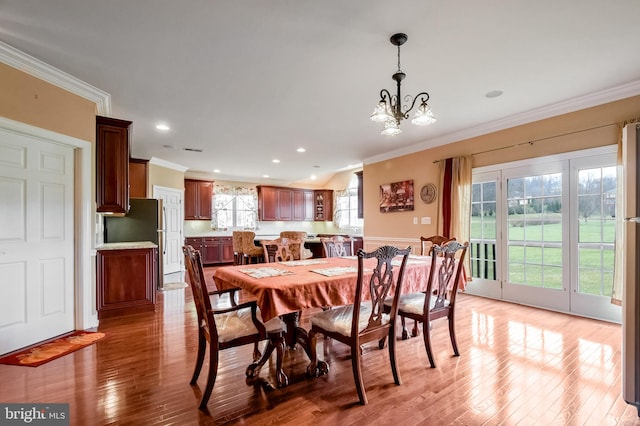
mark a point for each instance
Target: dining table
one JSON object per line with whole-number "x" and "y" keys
{"x": 286, "y": 288}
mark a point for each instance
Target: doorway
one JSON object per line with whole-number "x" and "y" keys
{"x": 172, "y": 206}
{"x": 542, "y": 232}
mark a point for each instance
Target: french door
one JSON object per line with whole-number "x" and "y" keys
{"x": 542, "y": 233}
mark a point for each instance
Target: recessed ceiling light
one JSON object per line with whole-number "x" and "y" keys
{"x": 301, "y": 149}
{"x": 265, "y": 176}
{"x": 275, "y": 160}
{"x": 216, "y": 170}
{"x": 170, "y": 146}
{"x": 163, "y": 127}
{"x": 494, "y": 94}
{"x": 313, "y": 177}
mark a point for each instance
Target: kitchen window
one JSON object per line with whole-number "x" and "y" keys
{"x": 346, "y": 210}
{"x": 234, "y": 207}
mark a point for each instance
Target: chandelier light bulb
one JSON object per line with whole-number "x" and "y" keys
{"x": 381, "y": 113}
{"x": 391, "y": 128}
{"x": 424, "y": 116}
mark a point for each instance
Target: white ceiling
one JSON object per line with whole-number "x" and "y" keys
{"x": 248, "y": 81}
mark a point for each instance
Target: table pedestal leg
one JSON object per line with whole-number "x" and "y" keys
{"x": 298, "y": 335}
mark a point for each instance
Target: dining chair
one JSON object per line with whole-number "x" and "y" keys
{"x": 277, "y": 250}
{"x": 236, "y": 238}
{"x": 296, "y": 244}
{"x": 231, "y": 323}
{"x": 251, "y": 253}
{"x": 438, "y": 299}
{"x": 337, "y": 246}
{"x": 364, "y": 321}
{"x": 426, "y": 243}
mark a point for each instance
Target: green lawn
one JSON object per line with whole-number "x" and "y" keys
{"x": 542, "y": 266}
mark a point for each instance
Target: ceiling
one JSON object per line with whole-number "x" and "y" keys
{"x": 249, "y": 81}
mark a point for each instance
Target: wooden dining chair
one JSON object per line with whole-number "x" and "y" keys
{"x": 229, "y": 324}
{"x": 337, "y": 246}
{"x": 427, "y": 243}
{"x": 364, "y": 321}
{"x": 438, "y": 299}
{"x": 277, "y": 250}
{"x": 296, "y": 244}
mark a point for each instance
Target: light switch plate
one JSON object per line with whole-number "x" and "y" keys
{"x": 415, "y": 220}
{"x": 426, "y": 220}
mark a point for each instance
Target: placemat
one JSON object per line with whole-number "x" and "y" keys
{"x": 265, "y": 272}
{"x": 337, "y": 270}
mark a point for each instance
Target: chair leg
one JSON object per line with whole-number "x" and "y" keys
{"x": 426, "y": 333}
{"x": 256, "y": 352}
{"x": 356, "y": 365}
{"x": 202, "y": 347}
{"x": 452, "y": 335}
{"x": 392, "y": 356}
{"x": 414, "y": 332}
{"x": 211, "y": 379}
{"x": 405, "y": 334}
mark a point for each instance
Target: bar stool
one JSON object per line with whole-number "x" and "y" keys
{"x": 250, "y": 252}
{"x": 237, "y": 247}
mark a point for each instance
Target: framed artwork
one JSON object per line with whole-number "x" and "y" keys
{"x": 396, "y": 197}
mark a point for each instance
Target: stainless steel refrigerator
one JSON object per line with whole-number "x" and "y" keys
{"x": 143, "y": 222}
{"x": 631, "y": 292}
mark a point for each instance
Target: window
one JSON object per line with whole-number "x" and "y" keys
{"x": 346, "y": 210}
{"x": 234, "y": 207}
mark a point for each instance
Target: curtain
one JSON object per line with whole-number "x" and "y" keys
{"x": 454, "y": 219}
{"x": 618, "y": 260}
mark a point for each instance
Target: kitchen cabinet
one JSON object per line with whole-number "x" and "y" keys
{"x": 197, "y": 199}
{"x": 126, "y": 278}
{"x": 309, "y": 211}
{"x": 293, "y": 204}
{"x": 323, "y": 204}
{"x": 213, "y": 250}
{"x": 137, "y": 178}
{"x": 112, "y": 165}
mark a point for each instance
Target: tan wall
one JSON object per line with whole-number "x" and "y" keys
{"x": 163, "y": 176}
{"x": 35, "y": 102}
{"x": 583, "y": 129}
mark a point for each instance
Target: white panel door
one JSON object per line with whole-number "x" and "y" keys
{"x": 36, "y": 240}
{"x": 172, "y": 219}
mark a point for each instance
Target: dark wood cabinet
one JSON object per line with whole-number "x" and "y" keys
{"x": 138, "y": 178}
{"x": 323, "y": 204}
{"x": 293, "y": 204}
{"x": 309, "y": 212}
{"x": 197, "y": 199}
{"x": 126, "y": 280}
{"x": 112, "y": 165}
{"x": 213, "y": 250}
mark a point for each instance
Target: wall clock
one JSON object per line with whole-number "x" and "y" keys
{"x": 428, "y": 193}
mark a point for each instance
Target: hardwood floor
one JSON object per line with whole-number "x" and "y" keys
{"x": 518, "y": 366}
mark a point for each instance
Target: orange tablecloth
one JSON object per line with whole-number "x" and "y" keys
{"x": 301, "y": 288}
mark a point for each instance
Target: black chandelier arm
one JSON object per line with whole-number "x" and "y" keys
{"x": 422, "y": 101}
{"x": 385, "y": 96}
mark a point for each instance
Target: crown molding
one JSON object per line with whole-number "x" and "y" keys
{"x": 167, "y": 164}
{"x": 15, "y": 58}
{"x": 570, "y": 105}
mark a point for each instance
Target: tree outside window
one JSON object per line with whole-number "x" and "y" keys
{"x": 346, "y": 208}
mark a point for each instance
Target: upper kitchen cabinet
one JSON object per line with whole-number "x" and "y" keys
{"x": 197, "y": 199}
{"x": 323, "y": 204}
{"x": 112, "y": 169}
{"x": 138, "y": 178}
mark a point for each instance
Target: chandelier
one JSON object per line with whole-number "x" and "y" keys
{"x": 390, "y": 110}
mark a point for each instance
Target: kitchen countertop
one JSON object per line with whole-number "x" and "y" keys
{"x": 127, "y": 245}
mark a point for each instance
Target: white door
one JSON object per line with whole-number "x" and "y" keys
{"x": 172, "y": 257}
{"x": 36, "y": 240}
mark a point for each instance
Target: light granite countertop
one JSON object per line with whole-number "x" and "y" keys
{"x": 127, "y": 245}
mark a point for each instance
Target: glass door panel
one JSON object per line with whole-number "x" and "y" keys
{"x": 535, "y": 234}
